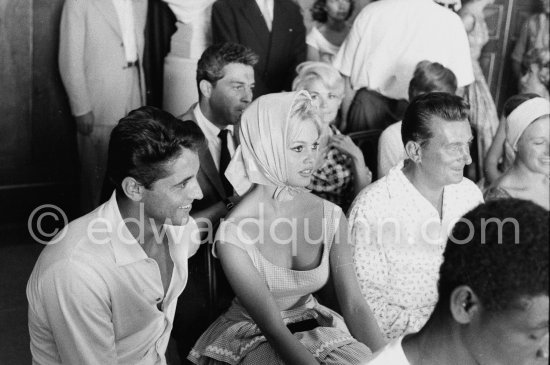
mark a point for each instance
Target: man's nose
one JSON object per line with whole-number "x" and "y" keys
{"x": 466, "y": 155}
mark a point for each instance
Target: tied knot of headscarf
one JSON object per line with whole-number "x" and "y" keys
{"x": 261, "y": 156}
{"x": 521, "y": 117}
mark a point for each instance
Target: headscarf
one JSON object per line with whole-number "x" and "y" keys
{"x": 261, "y": 156}
{"x": 521, "y": 117}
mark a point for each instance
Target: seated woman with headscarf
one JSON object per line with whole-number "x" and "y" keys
{"x": 527, "y": 133}
{"x": 280, "y": 245}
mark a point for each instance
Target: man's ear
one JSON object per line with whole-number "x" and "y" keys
{"x": 464, "y": 304}
{"x": 205, "y": 88}
{"x": 132, "y": 189}
{"x": 414, "y": 151}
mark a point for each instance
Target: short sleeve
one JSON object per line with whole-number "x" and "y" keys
{"x": 460, "y": 61}
{"x": 344, "y": 59}
{"x": 311, "y": 40}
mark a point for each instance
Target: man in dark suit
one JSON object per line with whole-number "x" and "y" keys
{"x": 225, "y": 79}
{"x": 274, "y": 29}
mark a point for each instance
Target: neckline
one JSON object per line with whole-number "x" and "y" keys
{"x": 324, "y": 255}
{"x": 292, "y": 270}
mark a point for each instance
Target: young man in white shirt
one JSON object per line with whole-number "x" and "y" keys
{"x": 104, "y": 291}
{"x": 493, "y": 293}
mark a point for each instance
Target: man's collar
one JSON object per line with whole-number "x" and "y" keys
{"x": 209, "y": 127}
{"x": 126, "y": 248}
{"x": 398, "y": 184}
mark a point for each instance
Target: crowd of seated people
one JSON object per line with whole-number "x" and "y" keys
{"x": 321, "y": 263}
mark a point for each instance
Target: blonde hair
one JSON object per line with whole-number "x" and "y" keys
{"x": 302, "y": 110}
{"x": 310, "y": 70}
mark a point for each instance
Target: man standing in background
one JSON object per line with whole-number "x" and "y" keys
{"x": 100, "y": 52}
{"x": 274, "y": 30}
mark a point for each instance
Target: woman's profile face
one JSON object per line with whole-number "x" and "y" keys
{"x": 533, "y": 146}
{"x": 302, "y": 152}
{"x": 328, "y": 101}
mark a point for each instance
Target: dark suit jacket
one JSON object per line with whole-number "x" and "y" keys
{"x": 208, "y": 175}
{"x": 280, "y": 50}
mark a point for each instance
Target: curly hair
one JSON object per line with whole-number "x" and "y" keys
{"x": 502, "y": 255}
{"x": 319, "y": 13}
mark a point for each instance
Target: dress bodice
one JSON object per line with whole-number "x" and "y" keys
{"x": 288, "y": 287}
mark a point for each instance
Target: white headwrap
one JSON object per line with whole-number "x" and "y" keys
{"x": 261, "y": 156}
{"x": 518, "y": 121}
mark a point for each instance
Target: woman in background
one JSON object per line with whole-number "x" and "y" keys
{"x": 327, "y": 35}
{"x": 484, "y": 116}
{"x": 341, "y": 172}
{"x": 532, "y": 43}
{"x": 527, "y": 134}
{"x": 279, "y": 245}
{"x": 501, "y": 155}
{"x": 192, "y": 37}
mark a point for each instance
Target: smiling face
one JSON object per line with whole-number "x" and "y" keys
{"x": 533, "y": 146}
{"x": 444, "y": 156}
{"x": 169, "y": 200}
{"x": 232, "y": 93}
{"x": 328, "y": 101}
{"x": 517, "y": 336}
{"x": 301, "y": 154}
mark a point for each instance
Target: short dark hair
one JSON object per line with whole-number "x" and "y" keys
{"x": 146, "y": 140}
{"x": 514, "y": 101}
{"x": 216, "y": 57}
{"x": 500, "y": 271}
{"x": 318, "y": 12}
{"x": 416, "y": 123}
{"x": 431, "y": 76}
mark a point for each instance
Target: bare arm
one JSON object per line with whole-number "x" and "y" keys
{"x": 362, "y": 176}
{"x": 312, "y": 54}
{"x": 357, "y": 313}
{"x": 259, "y": 303}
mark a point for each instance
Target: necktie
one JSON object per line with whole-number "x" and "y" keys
{"x": 225, "y": 157}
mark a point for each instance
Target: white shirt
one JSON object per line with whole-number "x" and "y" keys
{"x": 266, "y": 7}
{"x": 390, "y": 149}
{"x": 125, "y": 14}
{"x": 391, "y": 354}
{"x": 211, "y": 132}
{"x": 399, "y": 240}
{"x": 193, "y": 34}
{"x": 93, "y": 295}
{"x": 388, "y": 39}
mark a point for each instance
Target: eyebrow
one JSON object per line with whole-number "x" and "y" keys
{"x": 184, "y": 180}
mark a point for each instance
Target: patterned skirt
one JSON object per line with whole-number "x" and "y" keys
{"x": 235, "y": 339}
